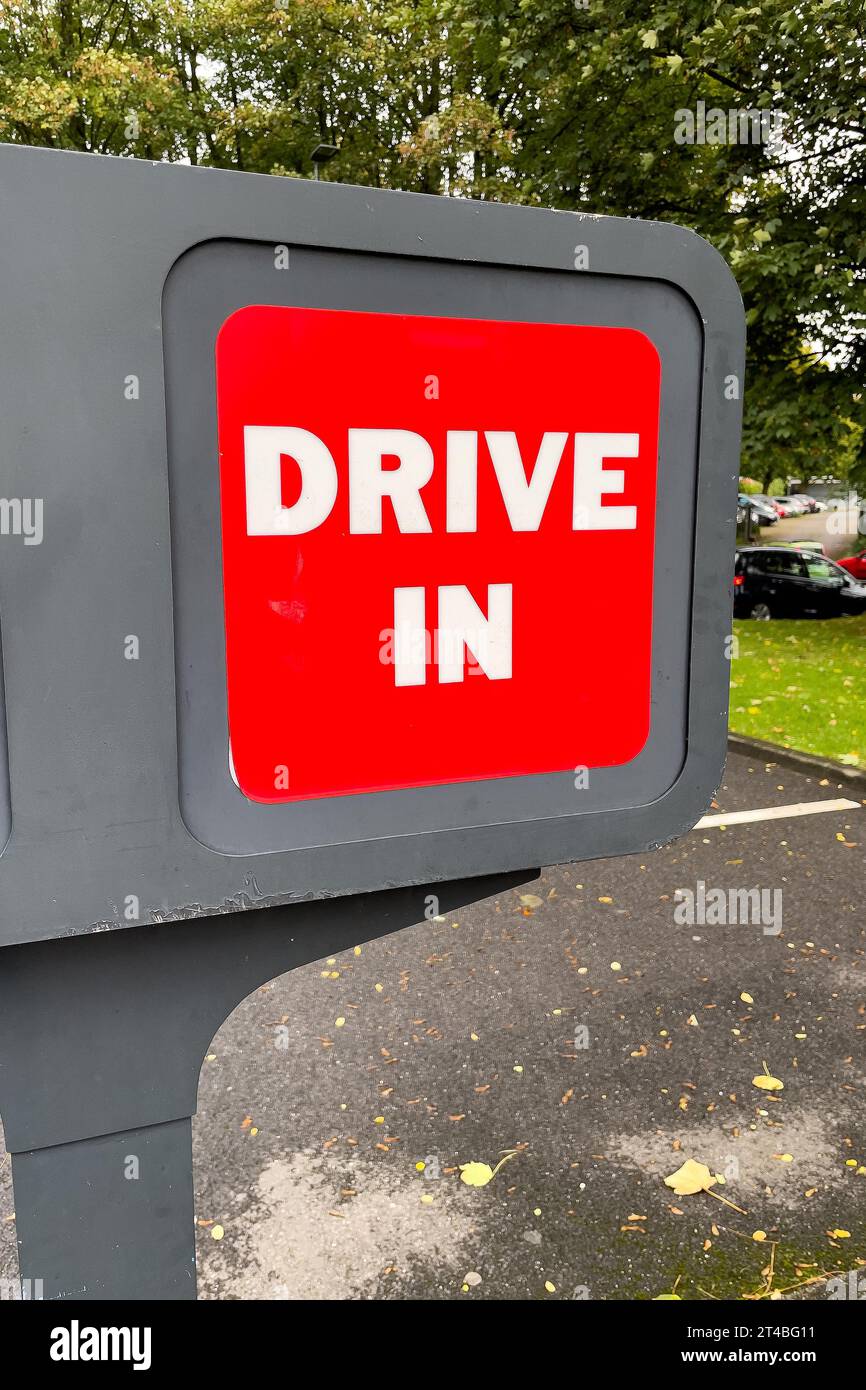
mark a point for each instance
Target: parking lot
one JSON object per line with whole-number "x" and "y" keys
{"x": 836, "y": 530}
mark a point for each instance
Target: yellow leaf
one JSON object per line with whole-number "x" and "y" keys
{"x": 768, "y": 1083}
{"x": 690, "y": 1177}
{"x": 217, "y": 1232}
{"x": 661, "y": 1297}
{"x": 531, "y": 900}
{"x": 551, "y": 1288}
{"x": 784, "y": 1158}
{"x": 476, "y": 1175}
{"x": 746, "y": 998}
{"x": 759, "y": 1235}
{"x": 841, "y": 1235}
{"x": 480, "y": 1174}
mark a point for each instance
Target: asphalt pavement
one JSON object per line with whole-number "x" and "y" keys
{"x": 837, "y": 530}
{"x": 585, "y": 1033}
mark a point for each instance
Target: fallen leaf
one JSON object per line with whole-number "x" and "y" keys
{"x": 766, "y": 1082}
{"x": 689, "y": 1178}
{"x": 480, "y": 1174}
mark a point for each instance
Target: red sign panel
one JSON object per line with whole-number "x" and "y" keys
{"x": 437, "y": 547}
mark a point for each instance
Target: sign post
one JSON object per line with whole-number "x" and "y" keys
{"x": 361, "y": 550}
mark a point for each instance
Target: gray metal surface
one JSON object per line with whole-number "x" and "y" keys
{"x": 109, "y": 1218}
{"x": 87, "y": 245}
{"x": 107, "y": 1031}
{"x": 102, "y": 1039}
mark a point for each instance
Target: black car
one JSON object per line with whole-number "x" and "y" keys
{"x": 785, "y": 582}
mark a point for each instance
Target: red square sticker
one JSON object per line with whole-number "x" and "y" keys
{"x": 437, "y": 547}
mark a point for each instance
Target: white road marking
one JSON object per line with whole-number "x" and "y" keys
{"x": 798, "y": 808}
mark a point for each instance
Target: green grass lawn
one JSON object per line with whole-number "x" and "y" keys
{"x": 803, "y": 685}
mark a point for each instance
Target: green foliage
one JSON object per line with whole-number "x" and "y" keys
{"x": 545, "y": 102}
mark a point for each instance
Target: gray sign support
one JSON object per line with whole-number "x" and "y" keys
{"x": 101, "y": 1043}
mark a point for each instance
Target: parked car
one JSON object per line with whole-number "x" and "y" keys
{"x": 763, "y": 513}
{"x": 793, "y": 582}
{"x": 761, "y": 499}
{"x": 789, "y": 506}
{"x": 810, "y": 503}
{"x": 782, "y": 506}
{"x": 855, "y": 565}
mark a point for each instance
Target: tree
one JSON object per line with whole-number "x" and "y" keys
{"x": 576, "y": 104}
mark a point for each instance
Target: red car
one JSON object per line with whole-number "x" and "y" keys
{"x": 855, "y": 565}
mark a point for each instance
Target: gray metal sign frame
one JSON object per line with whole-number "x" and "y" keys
{"x": 97, "y": 820}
